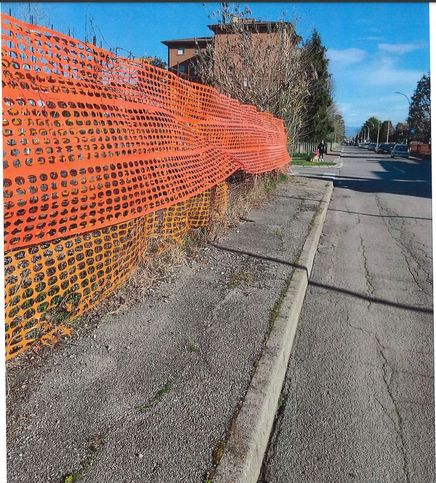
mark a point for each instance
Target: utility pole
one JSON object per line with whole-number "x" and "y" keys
{"x": 408, "y": 100}
{"x": 378, "y": 134}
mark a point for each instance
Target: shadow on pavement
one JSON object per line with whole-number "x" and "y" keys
{"x": 345, "y": 291}
{"x": 361, "y": 156}
{"x": 399, "y": 177}
{"x": 380, "y": 216}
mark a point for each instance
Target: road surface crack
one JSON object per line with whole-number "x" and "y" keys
{"x": 368, "y": 277}
{"x": 387, "y": 373}
{"x": 398, "y": 424}
{"x": 405, "y": 247}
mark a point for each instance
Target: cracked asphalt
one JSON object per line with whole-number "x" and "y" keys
{"x": 358, "y": 400}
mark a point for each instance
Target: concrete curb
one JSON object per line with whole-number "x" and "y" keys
{"x": 248, "y": 440}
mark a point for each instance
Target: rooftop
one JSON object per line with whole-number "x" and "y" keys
{"x": 257, "y": 25}
{"x": 193, "y": 40}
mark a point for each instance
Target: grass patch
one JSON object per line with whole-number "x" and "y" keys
{"x": 302, "y": 162}
{"x": 239, "y": 278}
{"x": 304, "y": 159}
{"x": 278, "y": 233}
{"x": 274, "y": 180}
{"x": 94, "y": 448}
{"x": 157, "y": 397}
{"x": 191, "y": 346}
{"x": 218, "y": 452}
{"x": 301, "y": 156}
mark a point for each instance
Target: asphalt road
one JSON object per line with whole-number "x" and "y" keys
{"x": 358, "y": 402}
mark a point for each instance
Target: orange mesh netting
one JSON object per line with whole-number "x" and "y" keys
{"x": 101, "y": 155}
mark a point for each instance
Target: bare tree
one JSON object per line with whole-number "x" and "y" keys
{"x": 337, "y": 122}
{"x": 266, "y": 68}
{"x": 33, "y": 13}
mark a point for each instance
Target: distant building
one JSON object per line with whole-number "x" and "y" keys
{"x": 183, "y": 53}
{"x": 182, "y": 56}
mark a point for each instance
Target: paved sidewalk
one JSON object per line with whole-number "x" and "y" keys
{"x": 149, "y": 395}
{"x": 333, "y": 156}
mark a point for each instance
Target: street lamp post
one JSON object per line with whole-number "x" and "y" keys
{"x": 378, "y": 134}
{"x": 401, "y": 94}
{"x": 408, "y": 100}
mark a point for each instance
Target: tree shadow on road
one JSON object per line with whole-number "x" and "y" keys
{"x": 398, "y": 177}
{"x": 345, "y": 291}
{"x": 380, "y": 216}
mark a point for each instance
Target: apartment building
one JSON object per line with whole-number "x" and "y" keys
{"x": 183, "y": 53}
{"x": 182, "y": 56}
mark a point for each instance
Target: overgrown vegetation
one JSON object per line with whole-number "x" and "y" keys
{"x": 278, "y": 72}
{"x": 245, "y": 192}
{"x": 238, "y": 278}
{"x": 157, "y": 397}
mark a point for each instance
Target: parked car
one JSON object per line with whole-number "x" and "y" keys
{"x": 372, "y": 146}
{"x": 363, "y": 145}
{"x": 401, "y": 150}
{"x": 384, "y": 148}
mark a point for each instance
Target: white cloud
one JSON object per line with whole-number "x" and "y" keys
{"x": 374, "y": 38}
{"x": 366, "y": 79}
{"x": 385, "y": 73}
{"x": 400, "y": 49}
{"x": 367, "y": 88}
{"x": 347, "y": 56}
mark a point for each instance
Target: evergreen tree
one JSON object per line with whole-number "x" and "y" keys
{"x": 371, "y": 125}
{"x": 317, "y": 120}
{"x": 419, "y": 111}
{"x": 401, "y": 132}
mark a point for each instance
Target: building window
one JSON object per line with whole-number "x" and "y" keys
{"x": 182, "y": 69}
{"x": 180, "y": 51}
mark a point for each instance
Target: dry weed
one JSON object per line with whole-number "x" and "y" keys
{"x": 245, "y": 193}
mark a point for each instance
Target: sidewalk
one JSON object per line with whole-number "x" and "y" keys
{"x": 150, "y": 394}
{"x": 333, "y": 156}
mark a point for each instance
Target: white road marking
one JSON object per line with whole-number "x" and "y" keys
{"x": 398, "y": 169}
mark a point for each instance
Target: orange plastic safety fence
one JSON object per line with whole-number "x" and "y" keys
{"x": 101, "y": 154}
{"x": 54, "y": 282}
{"x": 92, "y": 140}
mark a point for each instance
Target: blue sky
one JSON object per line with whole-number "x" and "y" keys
{"x": 374, "y": 49}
